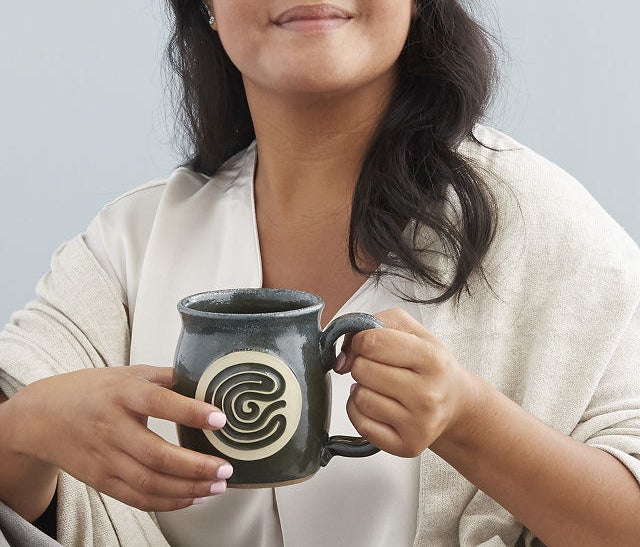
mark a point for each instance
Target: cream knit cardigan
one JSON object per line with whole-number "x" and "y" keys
{"x": 558, "y": 332}
{"x": 78, "y": 321}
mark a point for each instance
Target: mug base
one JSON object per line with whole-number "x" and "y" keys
{"x": 268, "y": 484}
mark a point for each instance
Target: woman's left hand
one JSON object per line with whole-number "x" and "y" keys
{"x": 410, "y": 389}
{"x": 412, "y": 393}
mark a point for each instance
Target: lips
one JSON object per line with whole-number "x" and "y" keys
{"x": 316, "y": 12}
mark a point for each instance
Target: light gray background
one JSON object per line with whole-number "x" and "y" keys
{"x": 83, "y": 112}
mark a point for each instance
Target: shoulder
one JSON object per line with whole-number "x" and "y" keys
{"x": 551, "y": 233}
{"x": 119, "y": 235}
{"x": 138, "y": 207}
{"x": 142, "y": 202}
{"x": 539, "y": 186}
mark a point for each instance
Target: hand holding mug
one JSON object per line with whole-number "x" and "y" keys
{"x": 410, "y": 390}
{"x": 93, "y": 425}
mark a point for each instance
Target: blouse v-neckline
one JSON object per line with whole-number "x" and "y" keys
{"x": 248, "y": 172}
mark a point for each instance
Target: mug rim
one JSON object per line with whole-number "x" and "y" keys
{"x": 313, "y": 302}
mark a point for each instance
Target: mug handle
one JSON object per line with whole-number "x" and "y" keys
{"x": 340, "y": 445}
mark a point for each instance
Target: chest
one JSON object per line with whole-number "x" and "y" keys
{"x": 310, "y": 259}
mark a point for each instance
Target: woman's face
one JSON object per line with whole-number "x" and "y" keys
{"x": 293, "y": 46}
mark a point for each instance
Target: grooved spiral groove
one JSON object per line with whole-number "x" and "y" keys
{"x": 251, "y": 401}
{"x": 261, "y": 398}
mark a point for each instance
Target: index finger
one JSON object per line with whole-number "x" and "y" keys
{"x": 162, "y": 376}
{"x": 402, "y": 321}
{"x": 148, "y": 399}
{"x": 392, "y": 347}
{"x": 398, "y": 320}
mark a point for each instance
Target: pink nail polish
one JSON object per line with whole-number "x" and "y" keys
{"x": 225, "y": 471}
{"x": 219, "y": 487}
{"x": 198, "y": 501}
{"x": 341, "y": 361}
{"x": 217, "y": 420}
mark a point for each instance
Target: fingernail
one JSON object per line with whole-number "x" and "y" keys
{"x": 225, "y": 471}
{"x": 198, "y": 501}
{"x": 341, "y": 361}
{"x": 219, "y": 487}
{"x": 353, "y": 387}
{"x": 217, "y": 420}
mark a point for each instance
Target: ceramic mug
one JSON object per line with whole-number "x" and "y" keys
{"x": 260, "y": 356}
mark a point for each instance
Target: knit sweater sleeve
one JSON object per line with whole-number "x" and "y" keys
{"x": 77, "y": 321}
{"x": 612, "y": 420}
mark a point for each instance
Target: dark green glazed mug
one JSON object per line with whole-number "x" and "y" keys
{"x": 260, "y": 356}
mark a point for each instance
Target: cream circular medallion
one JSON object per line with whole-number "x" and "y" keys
{"x": 261, "y": 398}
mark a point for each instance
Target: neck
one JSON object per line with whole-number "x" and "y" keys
{"x": 311, "y": 149}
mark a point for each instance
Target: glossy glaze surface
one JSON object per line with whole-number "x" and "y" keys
{"x": 260, "y": 356}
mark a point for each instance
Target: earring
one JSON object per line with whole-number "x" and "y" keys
{"x": 212, "y": 21}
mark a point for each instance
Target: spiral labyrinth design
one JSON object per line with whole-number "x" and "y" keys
{"x": 250, "y": 395}
{"x": 261, "y": 398}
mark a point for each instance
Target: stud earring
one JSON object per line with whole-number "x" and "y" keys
{"x": 212, "y": 21}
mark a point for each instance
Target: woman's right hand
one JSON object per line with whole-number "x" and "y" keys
{"x": 92, "y": 424}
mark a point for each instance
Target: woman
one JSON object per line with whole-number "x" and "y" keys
{"x": 504, "y": 393}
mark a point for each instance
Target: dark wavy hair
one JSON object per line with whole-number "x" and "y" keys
{"x": 447, "y": 72}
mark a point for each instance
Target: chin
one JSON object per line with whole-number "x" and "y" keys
{"x": 320, "y": 81}
{"x": 314, "y": 88}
